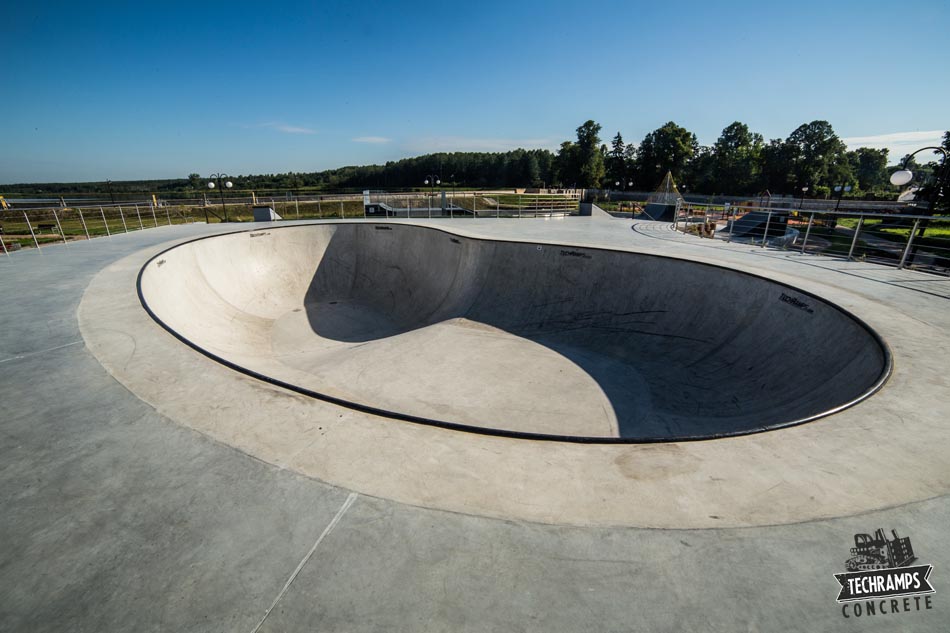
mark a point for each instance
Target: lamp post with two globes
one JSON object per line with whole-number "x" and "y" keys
{"x": 432, "y": 181}
{"x": 841, "y": 190}
{"x": 622, "y": 185}
{"x": 227, "y": 183}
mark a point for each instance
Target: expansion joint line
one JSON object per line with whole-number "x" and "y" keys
{"x": 339, "y": 515}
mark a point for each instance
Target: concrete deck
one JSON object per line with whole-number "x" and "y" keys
{"x": 146, "y": 487}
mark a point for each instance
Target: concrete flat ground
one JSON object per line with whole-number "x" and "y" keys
{"x": 144, "y": 487}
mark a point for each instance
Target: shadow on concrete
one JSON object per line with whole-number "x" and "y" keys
{"x": 681, "y": 350}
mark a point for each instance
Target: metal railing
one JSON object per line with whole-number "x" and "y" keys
{"x": 469, "y": 204}
{"x": 36, "y": 227}
{"x": 920, "y": 242}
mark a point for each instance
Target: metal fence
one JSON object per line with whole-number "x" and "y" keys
{"x": 44, "y": 226}
{"x": 36, "y": 227}
{"x": 920, "y": 242}
{"x": 469, "y": 204}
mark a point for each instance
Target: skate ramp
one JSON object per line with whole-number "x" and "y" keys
{"x": 660, "y": 212}
{"x": 513, "y": 338}
{"x": 754, "y": 223}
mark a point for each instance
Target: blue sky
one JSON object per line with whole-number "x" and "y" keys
{"x": 159, "y": 90}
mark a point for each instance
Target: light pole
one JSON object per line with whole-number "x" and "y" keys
{"x": 227, "y": 183}
{"x": 432, "y": 181}
{"x": 903, "y": 176}
{"x": 111, "y": 195}
{"x": 841, "y": 190}
{"x": 623, "y": 187}
{"x": 942, "y": 178}
{"x": 802, "y": 203}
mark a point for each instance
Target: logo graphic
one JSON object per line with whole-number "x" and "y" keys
{"x": 798, "y": 303}
{"x": 880, "y": 571}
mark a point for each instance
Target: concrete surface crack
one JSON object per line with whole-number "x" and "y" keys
{"x": 336, "y": 519}
{"x": 42, "y": 351}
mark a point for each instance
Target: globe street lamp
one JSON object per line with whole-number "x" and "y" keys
{"x": 802, "y": 203}
{"x": 903, "y": 176}
{"x": 622, "y": 187}
{"x": 432, "y": 181}
{"x": 228, "y": 184}
{"x": 841, "y": 190}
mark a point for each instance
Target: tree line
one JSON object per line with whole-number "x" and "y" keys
{"x": 740, "y": 162}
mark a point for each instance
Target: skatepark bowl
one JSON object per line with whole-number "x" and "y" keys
{"x": 517, "y": 339}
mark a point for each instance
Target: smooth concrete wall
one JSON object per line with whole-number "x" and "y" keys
{"x": 674, "y": 348}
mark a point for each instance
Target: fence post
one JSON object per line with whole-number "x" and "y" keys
{"x": 519, "y": 205}
{"x": 83, "y": 220}
{"x": 341, "y": 208}
{"x": 168, "y": 215}
{"x": 4, "y": 245}
{"x": 497, "y": 212}
{"x": 36, "y": 242}
{"x": 105, "y": 223}
{"x": 320, "y": 207}
{"x": 122, "y": 215}
{"x": 910, "y": 242}
{"x": 855, "y": 240}
{"x": 765, "y": 234}
{"x": 474, "y": 206}
{"x": 154, "y": 217}
{"x": 62, "y": 234}
{"x": 297, "y": 206}
{"x": 141, "y": 226}
{"x": 811, "y": 220}
{"x": 732, "y": 223}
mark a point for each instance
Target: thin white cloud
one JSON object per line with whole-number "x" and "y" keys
{"x": 282, "y": 127}
{"x": 468, "y": 144}
{"x": 293, "y": 129}
{"x": 376, "y": 140}
{"x": 898, "y": 144}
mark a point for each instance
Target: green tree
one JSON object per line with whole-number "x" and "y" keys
{"x": 565, "y": 165}
{"x": 590, "y": 160}
{"x": 530, "y": 170}
{"x": 818, "y": 156}
{"x": 702, "y": 172}
{"x": 869, "y": 167}
{"x": 777, "y": 167}
{"x": 617, "y": 170}
{"x": 668, "y": 148}
{"x": 736, "y": 160}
